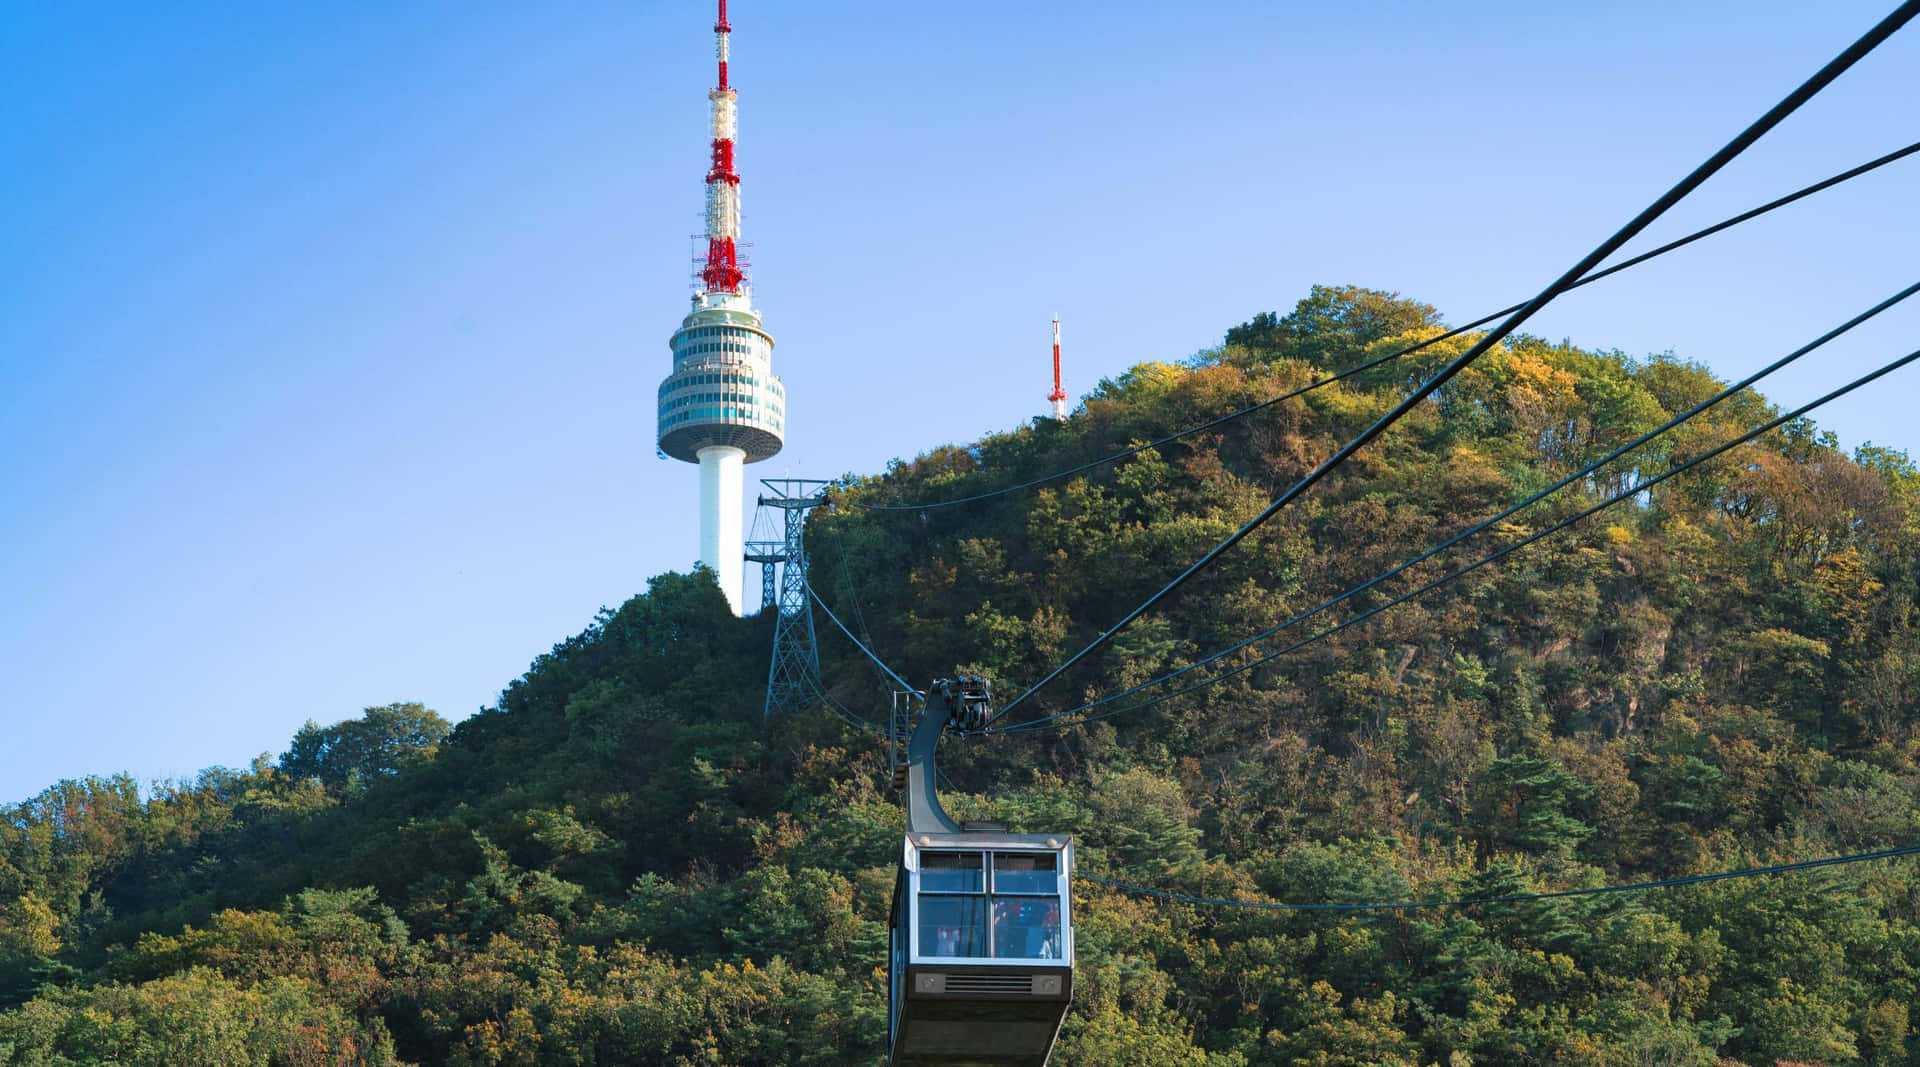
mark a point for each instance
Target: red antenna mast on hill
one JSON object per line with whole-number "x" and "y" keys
{"x": 1059, "y": 395}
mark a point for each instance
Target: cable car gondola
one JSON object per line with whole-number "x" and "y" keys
{"x": 980, "y": 970}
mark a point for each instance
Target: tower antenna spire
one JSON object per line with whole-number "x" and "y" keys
{"x": 723, "y": 273}
{"x": 1059, "y": 396}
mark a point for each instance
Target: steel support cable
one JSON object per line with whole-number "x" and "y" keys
{"x": 857, "y": 643}
{"x": 1627, "y": 494}
{"x": 1514, "y": 898}
{"x": 841, "y": 712}
{"x": 847, "y": 716}
{"x": 865, "y": 640}
{"x": 858, "y": 722}
{"x": 761, "y": 518}
{"x": 1774, "y": 115}
{"x": 1483, "y": 525}
{"x": 853, "y": 594}
{"x": 1456, "y": 331}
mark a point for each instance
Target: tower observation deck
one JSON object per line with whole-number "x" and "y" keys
{"x": 722, "y": 392}
{"x": 722, "y": 405}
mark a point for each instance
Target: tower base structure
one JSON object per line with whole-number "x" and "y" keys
{"x": 720, "y": 532}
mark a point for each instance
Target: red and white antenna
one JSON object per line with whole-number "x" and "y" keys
{"x": 1059, "y": 395}
{"x": 723, "y": 272}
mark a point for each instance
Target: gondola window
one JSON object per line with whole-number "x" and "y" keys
{"x": 1015, "y": 916}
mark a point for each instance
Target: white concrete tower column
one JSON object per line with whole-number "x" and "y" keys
{"x": 720, "y": 531}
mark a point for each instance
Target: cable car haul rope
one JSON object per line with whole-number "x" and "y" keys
{"x": 1512, "y": 898}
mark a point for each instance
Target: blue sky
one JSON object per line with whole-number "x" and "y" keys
{"x": 329, "y": 334}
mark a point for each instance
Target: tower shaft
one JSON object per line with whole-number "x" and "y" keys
{"x": 720, "y": 533}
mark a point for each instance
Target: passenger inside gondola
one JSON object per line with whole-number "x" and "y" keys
{"x": 1028, "y": 929}
{"x": 1026, "y": 905}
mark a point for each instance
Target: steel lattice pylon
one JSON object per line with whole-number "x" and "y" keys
{"x": 793, "y": 677}
{"x": 768, "y": 554}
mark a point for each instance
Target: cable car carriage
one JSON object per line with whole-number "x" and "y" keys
{"x": 981, "y": 964}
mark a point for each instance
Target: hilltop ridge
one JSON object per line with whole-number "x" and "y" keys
{"x": 620, "y": 862}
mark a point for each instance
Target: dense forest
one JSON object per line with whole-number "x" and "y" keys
{"x": 621, "y": 862}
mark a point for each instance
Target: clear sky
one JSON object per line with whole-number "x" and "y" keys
{"x": 329, "y": 333}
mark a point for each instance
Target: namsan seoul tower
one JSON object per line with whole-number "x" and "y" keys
{"x": 722, "y": 406}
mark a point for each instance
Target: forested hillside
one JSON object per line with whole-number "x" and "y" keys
{"x": 621, "y": 862}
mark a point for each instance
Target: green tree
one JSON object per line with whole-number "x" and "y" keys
{"x": 1332, "y": 324}
{"x": 355, "y": 752}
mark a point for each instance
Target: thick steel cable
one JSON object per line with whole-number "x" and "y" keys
{"x": 857, "y": 643}
{"x": 1692, "y": 181}
{"x": 1513, "y": 898}
{"x": 1485, "y": 524}
{"x": 1377, "y": 361}
{"x": 1627, "y": 494}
